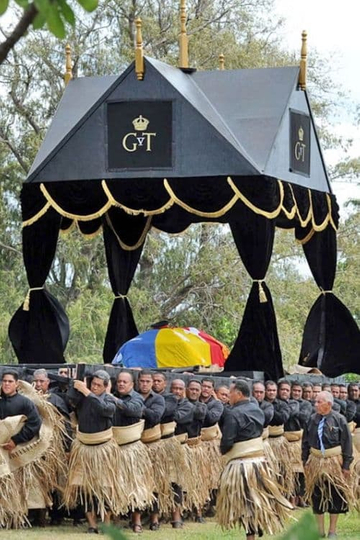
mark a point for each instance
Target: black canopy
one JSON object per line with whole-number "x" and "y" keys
{"x": 175, "y": 148}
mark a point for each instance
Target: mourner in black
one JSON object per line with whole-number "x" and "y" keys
{"x": 93, "y": 452}
{"x": 154, "y": 403}
{"x": 327, "y": 455}
{"x": 258, "y": 392}
{"x": 129, "y": 403}
{"x": 214, "y": 406}
{"x": 282, "y": 409}
{"x": 247, "y": 472}
{"x": 14, "y": 404}
{"x": 243, "y": 421}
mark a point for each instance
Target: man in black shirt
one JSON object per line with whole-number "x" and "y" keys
{"x": 128, "y": 425}
{"x": 14, "y": 404}
{"x": 327, "y": 455}
{"x": 94, "y": 457}
{"x": 279, "y": 444}
{"x": 154, "y": 408}
{"x": 354, "y": 397}
{"x": 247, "y": 473}
{"x": 16, "y": 411}
{"x": 129, "y": 403}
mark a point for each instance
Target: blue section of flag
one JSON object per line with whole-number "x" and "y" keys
{"x": 139, "y": 351}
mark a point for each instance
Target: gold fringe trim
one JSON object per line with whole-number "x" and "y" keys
{"x": 307, "y": 238}
{"x": 141, "y": 240}
{"x": 173, "y": 199}
{"x": 90, "y": 236}
{"x": 256, "y": 209}
{"x": 250, "y": 496}
{"x": 37, "y": 216}
{"x": 199, "y": 213}
{"x": 73, "y": 225}
{"x": 325, "y": 472}
{"x": 132, "y": 211}
{"x": 64, "y": 213}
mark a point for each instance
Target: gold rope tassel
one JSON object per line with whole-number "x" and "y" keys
{"x": 262, "y": 294}
{"x": 93, "y": 474}
{"x": 286, "y": 476}
{"x": 26, "y": 304}
{"x": 250, "y": 496}
{"x": 325, "y": 472}
{"x": 135, "y": 474}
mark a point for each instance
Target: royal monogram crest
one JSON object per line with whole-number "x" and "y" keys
{"x": 300, "y": 140}
{"x": 139, "y": 134}
{"x": 135, "y": 141}
{"x": 140, "y": 123}
{"x": 300, "y": 147}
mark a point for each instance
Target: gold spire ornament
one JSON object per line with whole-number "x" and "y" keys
{"x": 139, "y": 52}
{"x": 183, "y": 41}
{"x": 303, "y": 61}
{"x": 68, "y": 65}
{"x": 221, "y": 62}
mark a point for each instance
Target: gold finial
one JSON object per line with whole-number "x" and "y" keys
{"x": 139, "y": 52}
{"x": 303, "y": 61}
{"x": 68, "y": 67}
{"x": 221, "y": 62}
{"x": 183, "y": 41}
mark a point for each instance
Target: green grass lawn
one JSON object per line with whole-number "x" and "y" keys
{"x": 348, "y": 529}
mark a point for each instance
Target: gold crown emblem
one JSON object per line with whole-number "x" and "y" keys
{"x": 301, "y": 133}
{"x": 140, "y": 123}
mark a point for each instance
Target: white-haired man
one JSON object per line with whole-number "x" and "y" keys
{"x": 327, "y": 455}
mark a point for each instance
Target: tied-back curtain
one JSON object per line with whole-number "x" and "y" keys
{"x": 39, "y": 330}
{"x": 124, "y": 237}
{"x": 257, "y": 345}
{"x": 331, "y": 339}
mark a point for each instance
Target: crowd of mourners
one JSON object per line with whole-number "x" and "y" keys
{"x": 143, "y": 450}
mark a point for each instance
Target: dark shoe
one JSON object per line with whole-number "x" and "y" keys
{"x": 77, "y": 523}
{"x": 93, "y": 530}
{"x": 154, "y": 526}
{"x": 177, "y": 524}
{"x": 137, "y": 529}
{"x": 199, "y": 519}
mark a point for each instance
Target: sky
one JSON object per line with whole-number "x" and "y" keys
{"x": 333, "y": 29}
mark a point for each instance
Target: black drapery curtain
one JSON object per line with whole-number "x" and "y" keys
{"x": 257, "y": 345}
{"x": 39, "y": 330}
{"x": 121, "y": 233}
{"x": 331, "y": 339}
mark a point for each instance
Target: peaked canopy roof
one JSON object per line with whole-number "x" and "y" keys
{"x": 202, "y": 124}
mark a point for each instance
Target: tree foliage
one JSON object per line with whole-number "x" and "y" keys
{"x": 193, "y": 279}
